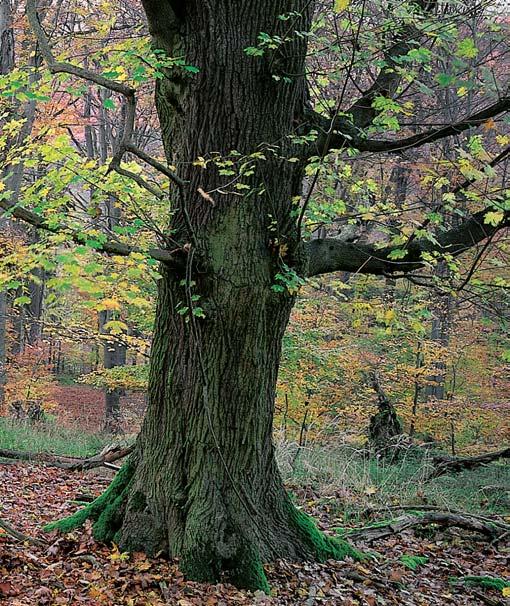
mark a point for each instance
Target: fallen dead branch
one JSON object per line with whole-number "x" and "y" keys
{"x": 439, "y": 518}
{"x": 487, "y": 599}
{"x": 105, "y": 458}
{"x": 444, "y": 464}
{"x": 10, "y": 530}
{"x": 490, "y": 520}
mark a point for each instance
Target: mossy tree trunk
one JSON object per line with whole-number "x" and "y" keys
{"x": 203, "y": 483}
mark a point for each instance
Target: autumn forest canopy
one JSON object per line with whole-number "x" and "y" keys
{"x": 254, "y": 302}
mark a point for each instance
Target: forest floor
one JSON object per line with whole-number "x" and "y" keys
{"x": 76, "y": 570}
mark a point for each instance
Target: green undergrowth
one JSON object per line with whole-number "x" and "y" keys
{"x": 413, "y": 562}
{"x": 486, "y": 582}
{"x": 361, "y": 483}
{"x": 47, "y": 436}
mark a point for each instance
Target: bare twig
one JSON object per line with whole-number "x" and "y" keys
{"x": 127, "y": 92}
{"x": 20, "y": 536}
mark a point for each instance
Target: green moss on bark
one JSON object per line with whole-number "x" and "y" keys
{"x": 320, "y": 545}
{"x": 199, "y": 563}
{"x": 247, "y": 571}
{"x": 244, "y": 569}
{"x": 110, "y": 519}
{"x": 105, "y": 510}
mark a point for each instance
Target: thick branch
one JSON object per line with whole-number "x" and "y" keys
{"x": 110, "y": 247}
{"x": 333, "y": 254}
{"x": 445, "y": 465}
{"x": 476, "y": 119}
{"x": 458, "y": 190}
{"x": 345, "y": 134}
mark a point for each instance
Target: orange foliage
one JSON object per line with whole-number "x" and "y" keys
{"x": 29, "y": 380}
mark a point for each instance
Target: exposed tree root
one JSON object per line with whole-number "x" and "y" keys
{"x": 439, "y": 518}
{"x": 199, "y": 560}
{"x": 444, "y": 464}
{"x": 322, "y": 546}
{"x": 10, "y": 530}
{"x": 103, "y": 459}
{"x": 105, "y": 511}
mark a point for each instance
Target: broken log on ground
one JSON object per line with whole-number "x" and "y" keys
{"x": 438, "y": 518}
{"x": 105, "y": 458}
{"x": 444, "y": 464}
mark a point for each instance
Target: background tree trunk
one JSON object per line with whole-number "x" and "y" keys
{"x": 114, "y": 354}
{"x": 6, "y": 65}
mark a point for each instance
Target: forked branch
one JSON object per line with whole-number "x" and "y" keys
{"x": 332, "y": 254}
{"x": 126, "y": 91}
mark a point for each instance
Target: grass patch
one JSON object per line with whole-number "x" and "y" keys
{"x": 48, "y": 437}
{"x": 359, "y": 482}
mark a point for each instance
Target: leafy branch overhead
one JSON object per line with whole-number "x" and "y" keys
{"x": 344, "y": 131}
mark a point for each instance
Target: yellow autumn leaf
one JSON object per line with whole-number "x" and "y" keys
{"x": 341, "y": 5}
{"x": 490, "y": 124}
{"x": 389, "y": 316}
{"x": 506, "y": 592}
{"x": 112, "y": 304}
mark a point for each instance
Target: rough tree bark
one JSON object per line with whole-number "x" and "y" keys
{"x": 202, "y": 483}
{"x": 205, "y": 484}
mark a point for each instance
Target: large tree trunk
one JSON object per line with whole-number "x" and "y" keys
{"x": 203, "y": 483}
